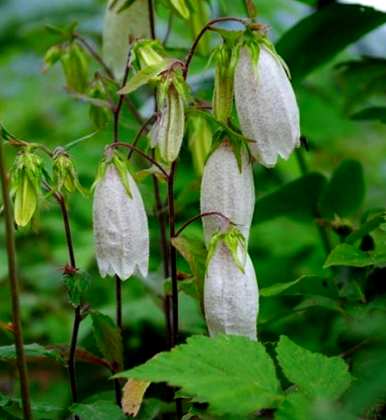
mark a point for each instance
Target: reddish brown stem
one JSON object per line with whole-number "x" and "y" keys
{"x": 14, "y": 286}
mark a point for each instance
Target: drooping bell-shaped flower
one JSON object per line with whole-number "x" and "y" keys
{"x": 227, "y": 188}
{"x": 266, "y": 105}
{"x": 120, "y": 224}
{"x": 230, "y": 295}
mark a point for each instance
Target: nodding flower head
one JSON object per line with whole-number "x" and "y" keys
{"x": 266, "y": 104}
{"x": 227, "y": 188}
{"x": 120, "y": 223}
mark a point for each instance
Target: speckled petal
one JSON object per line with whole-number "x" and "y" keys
{"x": 230, "y": 296}
{"x": 267, "y": 107}
{"x": 226, "y": 190}
{"x": 120, "y": 227}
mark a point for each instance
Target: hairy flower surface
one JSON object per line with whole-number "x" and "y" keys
{"x": 120, "y": 226}
{"x": 227, "y": 190}
{"x": 266, "y": 106}
{"x": 230, "y": 296}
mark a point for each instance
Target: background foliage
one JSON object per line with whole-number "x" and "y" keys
{"x": 327, "y": 296}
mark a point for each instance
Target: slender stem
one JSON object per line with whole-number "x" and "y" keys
{"x": 151, "y": 19}
{"x": 201, "y": 34}
{"x": 143, "y": 154}
{"x": 323, "y": 233}
{"x": 118, "y": 282}
{"x": 118, "y": 108}
{"x": 200, "y": 216}
{"x": 140, "y": 134}
{"x": 12, "y": 270}
{"x": 169, "y": 28}
{"x": 172, "y": 254}
{"x": 173, "y": 272}
{"x": 94, "y": 54}
{"x": 71, "y": 362}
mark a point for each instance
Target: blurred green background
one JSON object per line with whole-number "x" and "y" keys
{"x": 35, "y": 106}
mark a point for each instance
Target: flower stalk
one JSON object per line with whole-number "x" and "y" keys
{"x": 14, "y": 285}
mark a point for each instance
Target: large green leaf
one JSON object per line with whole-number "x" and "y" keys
{"x": 297, "y": 199}
{"x": 316, "y": 375}
{"x": 319, "y": 37}
{"x": 233, "y": 374}
{"x": 108, "y": 338}
{"x": 345, "y": 191}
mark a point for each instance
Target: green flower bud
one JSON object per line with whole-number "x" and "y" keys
{"x": 26, "y": 176}
{"x": 226, "y": 58}
{"x": 75, "y": 66}
{"x": 64, "y": 173}
{"x": 148, "y": 52}
{"x": 200, "y": 142}
{"x": 52, "y": 56}
{"x": 168, "y": 131}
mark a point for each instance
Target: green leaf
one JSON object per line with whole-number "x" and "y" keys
{"x": 98, "y": 410}
{"x": 233, "y": 374}
{"x": 366, "y": 228}
{"x": 8, "y": 353}
{"x": 296, "y": 406}
{"x": 377, "y": 113}
{"x": 345, "y": 191}
{"x": 143, "y": 77}
{"x": 278, "y": 288}
{"x": 11, "y": 408}
{"x": 108, "y": 338}
{"x": 297, "y": 200}
{"x": 316, "y": 375}
{"x": 348, "y": 255}
{"x": 194, "y": 252}
{"x": 77, "y": 285}
{"x": 181, "y": 8}
{"x": 306, "y": 45}
{"x": 304, "y": 285}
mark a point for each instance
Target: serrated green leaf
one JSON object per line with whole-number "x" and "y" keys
{"x": 345, "y": 191}
{"x": 8, "y": 353}
{"x": 143, "y": 77}
{"x": 308, "y": 36}
{"x": 108, "y": 338}
{"x": 316, "y": 375}
{"x": 297, "y": 200}
{"x": 98, "y": 410}
{"x": 233, "y": 374}
{"x": 348, "y": 255}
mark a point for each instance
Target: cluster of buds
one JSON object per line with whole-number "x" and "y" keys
{"x": 171, "y": 94}
{"x": 120, "y": 221}
{"x": 230, "y": 291}
{"x": 65, "y": 177}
